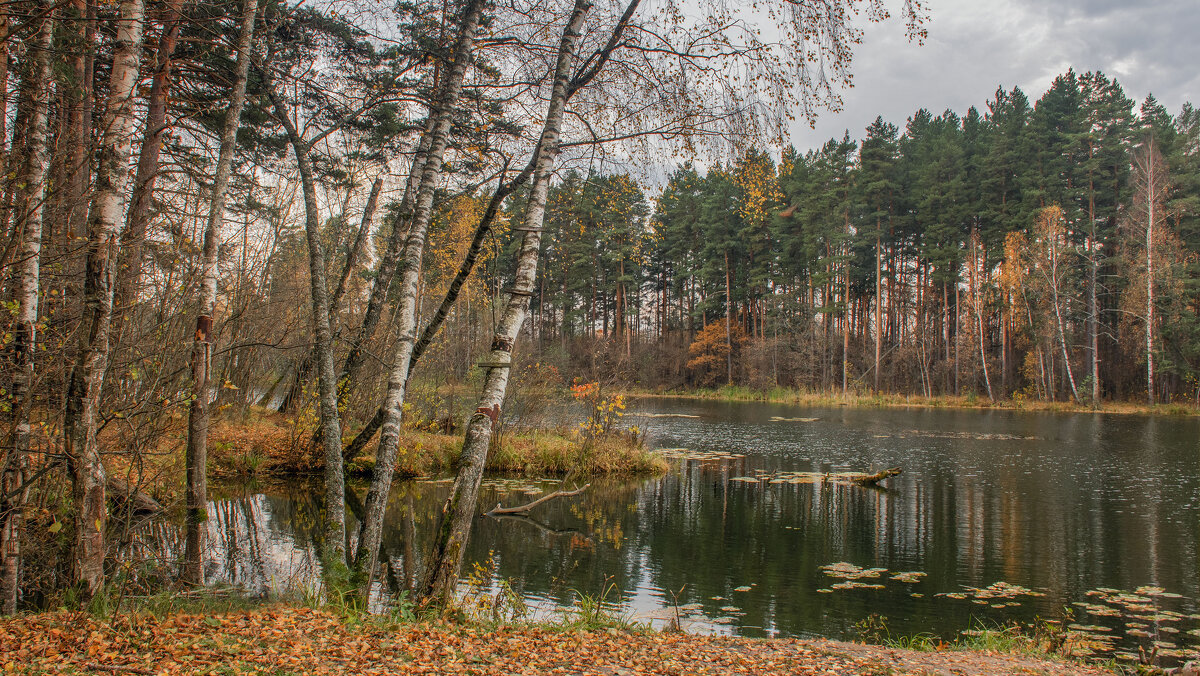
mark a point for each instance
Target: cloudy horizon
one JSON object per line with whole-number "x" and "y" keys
{"x": 974, "y": 47}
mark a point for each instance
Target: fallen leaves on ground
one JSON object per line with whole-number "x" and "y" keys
{"x": 303, "y": 641}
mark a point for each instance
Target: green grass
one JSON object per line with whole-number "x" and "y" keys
{"x": 593, "y": 612}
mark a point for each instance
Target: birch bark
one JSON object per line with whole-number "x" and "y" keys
{"x": 141, "y": 201}
{"x": 364, "y": 229}
{"x": 87, "y": 374}
{"x": 371, "y": 529}
{"x": 36, "y": 84}
{"x": 459, "y": 509}
{"x": 198, "y": 413}
{"x": 334, "y": 554}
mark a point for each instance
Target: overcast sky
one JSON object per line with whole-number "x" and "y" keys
{"x": 976, "y": 45}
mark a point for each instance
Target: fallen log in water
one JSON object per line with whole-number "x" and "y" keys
{"x": 524, "y": 509}
{"x": 874, "y": 479}
{"x": 123, "y": 493}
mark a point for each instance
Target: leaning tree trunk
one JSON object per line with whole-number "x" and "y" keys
{"x": 371, "y": 529}
{"x": 384, "y": 274}
{"x": 87, "y": 376}
{"x": 334, "y": 555}
{"x": 198, "y": 413}
{"x": 364, "y": 230}
{"x": 302, "y": 372}
{"x": 977, "y": 302}
{"x": 386, "y": 271}
{"x": 459, "y": 510}
{"x": 1062, "y": 333}
{"x": 13, "y": 489}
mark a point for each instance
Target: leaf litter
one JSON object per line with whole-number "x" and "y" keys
{"x": 300, "y": 640}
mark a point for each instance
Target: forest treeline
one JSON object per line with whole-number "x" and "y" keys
{"x": 211, "y": 209}
{"x": 1041, "y": 249}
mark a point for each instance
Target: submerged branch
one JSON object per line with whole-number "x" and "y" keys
{"x": 874, "y": 479}
{"x": 524, "y": 509}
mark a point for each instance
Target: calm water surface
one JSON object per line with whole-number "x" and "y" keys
{"x": 1059, "y": 504}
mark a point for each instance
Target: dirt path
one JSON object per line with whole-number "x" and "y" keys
{"x": 301, "y": 641}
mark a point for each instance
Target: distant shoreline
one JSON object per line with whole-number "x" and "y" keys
{"x": 855, "y": 400}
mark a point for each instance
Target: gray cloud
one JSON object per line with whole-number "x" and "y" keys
{"x": 976, "y": 45}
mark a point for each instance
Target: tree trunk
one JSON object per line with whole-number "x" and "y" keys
{"x": 141, "y": 201}
{"x": 198, "y": 413}
{"x": 977, "y": 301}
{"x": 1058, "y": 318}
{"x": 728, "y": 331}
{"x": 87, "y": 375}
{"x": 846, "y": 315}
{"x": 364, "y": 230}
{"x": 387, "y": 263}
{"x": 371, "y": 530}
{"x": 1151, "y": 203}
{"x": 1093, "y": 306}
{"x": 334, "y": 556}
{"x": 459, "y": 510}
{"x": 13, "y": 489}
{"x": 878, "y": 309}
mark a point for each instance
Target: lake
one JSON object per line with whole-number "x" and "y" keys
{"x": 1071, "y": 511}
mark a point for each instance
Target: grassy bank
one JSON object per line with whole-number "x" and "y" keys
{"x": 781, "y": 395}
{"x": 267, "y": 444}
{"x": 290, "y": 640}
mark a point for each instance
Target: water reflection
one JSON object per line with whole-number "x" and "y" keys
{"x": 1060, "y": 504}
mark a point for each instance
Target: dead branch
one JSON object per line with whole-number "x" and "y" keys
{"x": 524, "y": 509}
{"x": 522, "y": 518}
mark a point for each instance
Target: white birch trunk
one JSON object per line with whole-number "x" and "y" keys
{"x": 198, "y": 412}
{"x": 387, "y": 264}
{"x": 36, "y": 82}
{"x": 371, "y": 529}
{"x": 334, "y": 549}
{"x": 360, "y": 239}
{"x": 878, "y": 308}
{"x": 87, "y": 375}
{"x": 459, "y": 510}
{"x": 1058, "y": 318}
{"x": 1151, "y": 199}
{"x": 977, "y": 301}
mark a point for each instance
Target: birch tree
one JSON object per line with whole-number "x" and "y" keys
{"x": 35, "y": 85}
{"x": 406, "y": 311}
{"x": 1053, "y": 266}
{"x": 1151, "y": 186}
{"x": 459, "y": 509}
{"x": 129, "y": 270}
{"x": 87, "y": 374}
{"x": 201, "y": 366}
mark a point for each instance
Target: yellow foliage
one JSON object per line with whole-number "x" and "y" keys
{"x": 709, "y": 352}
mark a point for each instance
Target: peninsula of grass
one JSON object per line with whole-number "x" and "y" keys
{"x": 265, "y": 444}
